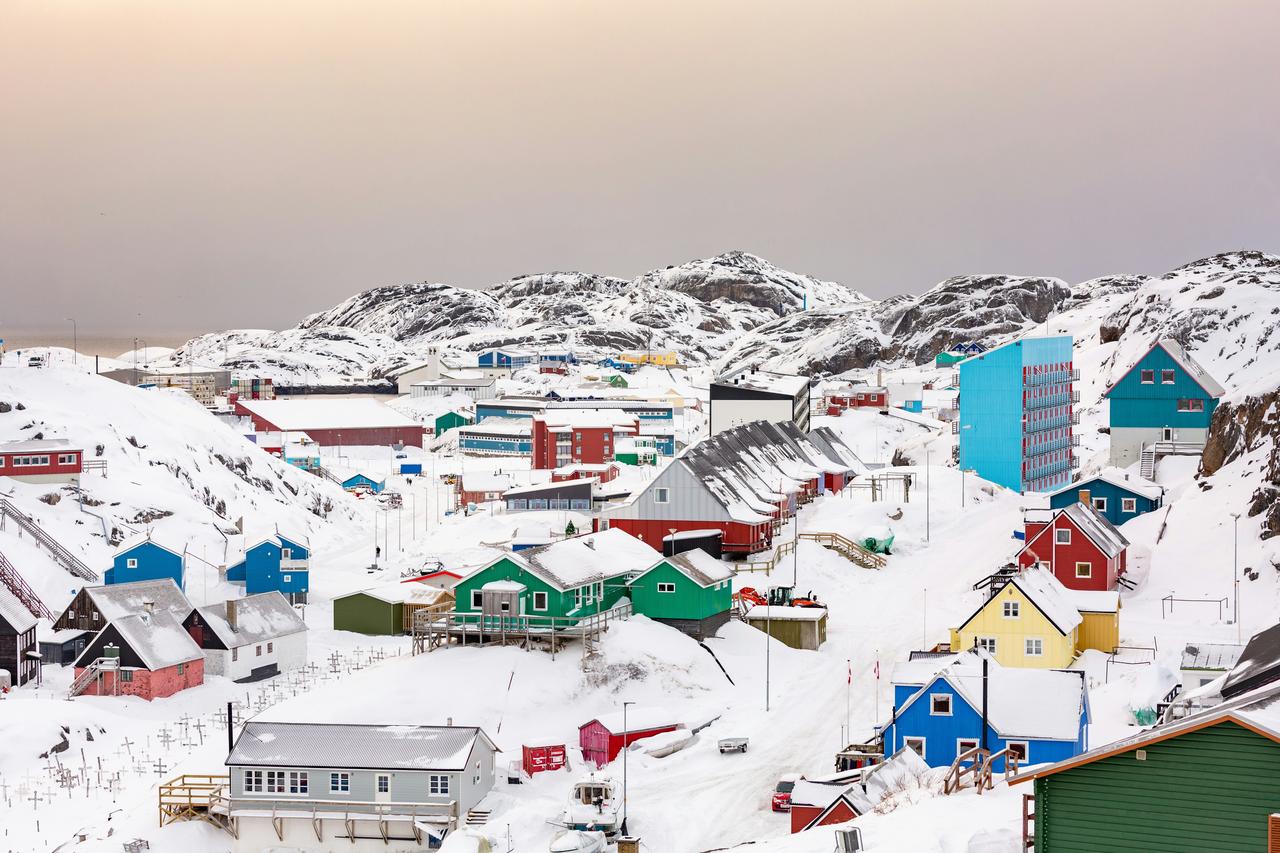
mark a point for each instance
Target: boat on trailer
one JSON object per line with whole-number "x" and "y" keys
{"x": 594, "y": 806}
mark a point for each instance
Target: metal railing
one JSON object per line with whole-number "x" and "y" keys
{"x": 18, "y": 586}
{"x": 60, "y": 555}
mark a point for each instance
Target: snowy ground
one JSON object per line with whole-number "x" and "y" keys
{"x": 796, "y": 707}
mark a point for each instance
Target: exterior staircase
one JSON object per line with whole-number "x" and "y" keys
{"x": 92, "y": 673}
{"x": 10, "y": 578}
{"x": 847, "y": 548}
{"x": 1148, "y": 459}
{"x": 477, "y": 817}
{"x": 60, "y": 555}
{"x": 328, "y": 475}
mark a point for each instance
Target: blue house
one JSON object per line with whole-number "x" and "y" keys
{"x": 512, "y": 359}
{"x": 363, "y": 482}
{"x": 1017, "y": 414}
{"x": 1165, "y": 397}
{"x": 275, "y": 563}
{"x": 1117, "y": 495}
{"x": 1039, "y": 714}
{"x": 143, "y": 559}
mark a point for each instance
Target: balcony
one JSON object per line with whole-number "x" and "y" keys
{"x": 1052, "y": 400}
{"x": 294, "y": 565}
{"x": 1030, "y": 428}
{"x": 1057, "y": 377}
{"x": 1067, "y": 441}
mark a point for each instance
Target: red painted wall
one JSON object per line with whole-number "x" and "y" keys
{"x": 536, "y": 759}
{"x": 738, "y": 538}
{"x": 600, "y": 746}
{"x": 1062, "y": 559}
{"x": 595, "y": 447}
{"x": 801, "y": 815}
{"x": 9, "y": 469}
{"x": 151, "y": 685}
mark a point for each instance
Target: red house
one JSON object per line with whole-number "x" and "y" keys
{"x": 1082, "y": 549}
{"x": 334, "y": 423}
{"x": 46, "y": 460}
{"x": 565, "y": 436}
{"x": 604, "y": 472}
{"x": 604, "y": 737}
{"x": 825, "y": 803}
{"x": 857, "y": 397}
{"x": 148, "y": 655}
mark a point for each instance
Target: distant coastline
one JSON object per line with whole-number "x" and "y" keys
{"x": 106, "y": 344}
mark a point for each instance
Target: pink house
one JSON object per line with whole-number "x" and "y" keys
{"x": 145, "y": 654}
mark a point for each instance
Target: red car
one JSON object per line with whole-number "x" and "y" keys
{"x": 781, "y": 801}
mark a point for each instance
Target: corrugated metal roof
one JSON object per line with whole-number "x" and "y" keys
{"x": 15, "y": 612}
{"x": 373, "y": 747}
{"x": 1192, "y": 367}
{"x": 701, "y": 567}
{"x": 1219, "y": 656}
{"x": 1103, "y": 533}
{"x": 126, "y": 599}
{"x": 260, "y": 617}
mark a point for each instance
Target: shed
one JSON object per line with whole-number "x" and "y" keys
{"x": 61, "y": 647}
{"x": 364, "y": 482}
{"x": 450, "y": 420}
{"x": 1205, "y": 662}
{"x": 382, "y": 610}
{"x": 602, "y": 738}
{"x": 816, "y": 803}
{"x": 797, "y": 627}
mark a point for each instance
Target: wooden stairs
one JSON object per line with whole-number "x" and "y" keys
{"x": 93, "y": 672}
{"x": 60, "y": 555}
{"x": 978, "y": 765}
{"x": 477, "y": 817}
{"x": 13, "y": 581}
{"x": 842, "y": 545}
{"x": 1148, "y": 459}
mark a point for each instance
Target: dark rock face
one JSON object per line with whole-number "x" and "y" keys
{"x": 1238, "y": 429}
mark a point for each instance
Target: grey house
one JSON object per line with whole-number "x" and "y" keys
{"x": 308, "y": 786}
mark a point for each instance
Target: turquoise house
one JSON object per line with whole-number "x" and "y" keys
{"x": 1017, "y": 414}
{"x": 1165, "y": 397}
{"x": 1117, "y": 495}
{"x": 143, "y": 559}
{"x": 276, "y": 563}
{"x": 363, "y": 482}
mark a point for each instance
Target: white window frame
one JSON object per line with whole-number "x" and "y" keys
{"x": 1036, "y": 651}
{"x": 1172, "y": 374}
{"x": 1026, "y": 750}
{"x": 1088, "y": 569}
{"x": 131, "y": 562}
{"x": 1142, "y": 377}
{"x": 907, "y": 741}
{"x": 277, "y": 780}
{"x": 933, "y": 710}
{"x": 1011, "y": 609}
{"x": 438, "y": 785}
{"x": 477, "y": 599}
{"x": 988, "y": 643}
{"x": 540, "y": 601}
{"x": 287, "y": 578}
{"x": 662, "y": 495}
{"x": 1062, "y": 536}
{"x": 1100, "y": 504}
{"x": 299, "y": 783}
{"x": 66, "y": 459}
{"x": 666, "y": 587}
{"x": 960, "y": 744}
{"x": 378, "y": 783}
{"x": 339, "y": 782}
{"x": 286, "y": 553}
{"x": 1128, "y": 504}
{"x": 253, "y": 782}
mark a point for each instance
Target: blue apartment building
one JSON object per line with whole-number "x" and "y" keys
{"x": 1017, "y": 414}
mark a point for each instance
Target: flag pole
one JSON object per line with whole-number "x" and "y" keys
{"x": 848, "y": 689}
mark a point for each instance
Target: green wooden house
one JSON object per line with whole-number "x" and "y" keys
{"x": 450, "y": 420}
{"x": 692, "y": 591}
{"x": 1208, "y": 783}
{"x": 555, "y": 585}
{"x": 387, "y": 610}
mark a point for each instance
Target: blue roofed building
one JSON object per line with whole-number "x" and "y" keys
{"x": 1017, "y": 414}
{"x": 275, "y": 562}
{"x": 143, "y": 559}
{"x": 1117, "y": 495}
{"x": 1162, "y": 405}
{"x": 364, "y": 483}
{"x": 1041, "y": 715}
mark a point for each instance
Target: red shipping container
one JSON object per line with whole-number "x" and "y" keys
{"x": 536, "y": 759}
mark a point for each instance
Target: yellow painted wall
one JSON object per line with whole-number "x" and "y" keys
{"x": 1100, "y": 631}
{"x": 662, "y": 359}
{"x": 1010, "y": 633}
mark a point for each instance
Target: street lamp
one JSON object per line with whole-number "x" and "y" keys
{"x": 927, "y": 469}
{"x": 622, "y": 826}
{"x": 1235, "y": 570}
{"x": 75, "y": 341}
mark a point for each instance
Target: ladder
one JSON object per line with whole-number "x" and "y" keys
{"x": 95, "y": 672}
{"x": 10, "y": 578}
{"x": 60, "y": 555}
{"x": 1148, "y": 469}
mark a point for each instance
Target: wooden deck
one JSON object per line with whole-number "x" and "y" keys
{"x": 194, "y": 797}
{"x": 434, "y": 630}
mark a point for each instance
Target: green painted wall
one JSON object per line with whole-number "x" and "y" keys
{"x": 558, "y": 603}
{"x": 689, "y": 601}
{"x": 365, "y": 614}
{"x": 1134, "y": 404}
{"x": 448, "y": 421}
{"x": 1208, "y": 791}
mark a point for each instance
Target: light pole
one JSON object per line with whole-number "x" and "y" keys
{"x": 622, "y": 825}
{"x": 1235, "y": 570}
{"x": 927, "y": 469}
{"x": 75, "y": 341}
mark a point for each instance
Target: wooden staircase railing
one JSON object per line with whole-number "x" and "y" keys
{"x": 60, "y": 555}
{"x": 842, "y": 545}
{"x": 14, "y": 582}
{"x": 954, "y": 780}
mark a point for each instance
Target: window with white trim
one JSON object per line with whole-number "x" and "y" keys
{"x": 965, "y": 744}
{"x": 1084, "y": 569}
{"x": 275, "y": 781}
{"x": 1062, "y": 536}
{"x": 666, "y": 587}
{"x": 339, "y": 783}
{"x": 298, "y": 782}
{"x": 253, "y": 781}
{"x": 1148, "y": 377}
{"x": 1128, "y": 504}
{"x": 1011, "y": 609}
{"x": 539, "y": 601}
{"x": 1017, "y": 749}
{"x": 662, "y": 496}
{"x": 1034, "y": 646}
{"x": 66, "y": 459}
{"x": 987, "y": 644}
{"x": 286, "y": 553}
{"x": 915, "y": 744}
{"x": 477, "y": 599}
{"x": 287, "y": 578}
{"x": 1100, "y": 504}
{"x": 1167, "y": 377}
{"x": 438, "y": 786}
{"x": 131, "y": 563}
{"x": 384, "y": 783}
{"x": 940, "y": 704}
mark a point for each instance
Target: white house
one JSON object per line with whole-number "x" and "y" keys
{"x": 477, "y": 388}
{"x": 250, "y": 638}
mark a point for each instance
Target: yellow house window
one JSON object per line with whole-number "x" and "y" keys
{"x": 1084, "y": 570}
{"x": 1034, "y": 647}
{"x": 1011, "y": 609}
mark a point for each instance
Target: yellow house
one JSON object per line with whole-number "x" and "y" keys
{"x": 660, "y": 359}
{"x": 1034, "y": 621}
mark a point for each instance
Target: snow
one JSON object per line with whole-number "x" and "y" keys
{"x": 1050, "y": 596}
{"x": 589, "y": 559}
{"x": 791, "y": 614}
{"x": 639, "y": 718}
{"x": 158, "y": 639}
{"x": 47, "y": 445}
{"x": 345, "y": 413}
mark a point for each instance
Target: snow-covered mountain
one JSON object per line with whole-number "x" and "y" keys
{"x": 738, "y": 307}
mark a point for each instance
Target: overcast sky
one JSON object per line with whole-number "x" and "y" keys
{"x": 189, "y": 165}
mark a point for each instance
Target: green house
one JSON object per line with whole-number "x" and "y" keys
{"x": 555, "y": 585}
{"x": 1208, "y": 783}
{"x": 387, "y": 610}
{"x": 692, "y": 591}
{"x": 451, "y": 420}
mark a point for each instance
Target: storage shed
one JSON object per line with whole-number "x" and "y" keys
{"x": 797, "y": 627}
{"x": 387, "y": 610}
{"x": 604, "y": 737}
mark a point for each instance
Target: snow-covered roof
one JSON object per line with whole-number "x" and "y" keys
{"x": 15, "y": 612}
{"x": 1093, "y": 600}
{"x": 549, "y": 487}
{"x": 404, "y": 593}
{"x": 158, "y": 639}
{"x": 1184, "y": 360}
{"x": 343, "y": 413}
{"x": 1211, "y": 656}
{"x": 37, "y": 445}
{"x": 639, "y": 718}
{"x": 476, "y": 382}
{"x": 568, "y": 419}
{"x": 890, "y": 774}
{"x": 1048, "y": 594}
{"x": 504, "y": 586}
{"x": 1121, "y": 479}
{"x": 700, "y": 567}
{"x": 766, "y": 381}
{"x": 271, "y": 744}
{"x": 1087, "y": 519}
{"x": 499, "y": 426}
{"x": 692, "y": 534}
{"x": 581, "y": 560}
{"x": 485, "y": 481}
{"x": 124, "y": 599}
{"x": 141, "y": 539}
{"x": 818, "y": 794}
{"x": 793, "y": 614}
{"x": 260, "y": 617}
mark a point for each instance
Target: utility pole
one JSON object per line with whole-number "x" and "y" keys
{"x": 622, "y": 825}
{"x": 1235, "y": 570}
{"x": 927, "y": 489}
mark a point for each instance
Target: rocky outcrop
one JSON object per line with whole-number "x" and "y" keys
{"x": 1250, "y": 429}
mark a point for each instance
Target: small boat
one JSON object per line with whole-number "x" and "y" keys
{"x": 593, "y": 806}
{"x": 577, "y": 841}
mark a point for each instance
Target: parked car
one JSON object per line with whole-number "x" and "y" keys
{"x": 782, "y": 792}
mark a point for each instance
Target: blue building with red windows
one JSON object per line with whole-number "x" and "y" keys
{"x": 1017, "y": 414}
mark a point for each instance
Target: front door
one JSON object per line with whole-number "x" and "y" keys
{"x": 1166, "y": 434}
{"x": 382, "y": 788}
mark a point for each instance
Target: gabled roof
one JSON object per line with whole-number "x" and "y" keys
{"x": 403, "y": 593}
{"x": 1119, "y": 478}
{"x": 856, "y": 802}
{"x": 639, "y": 719}
{"x": 369, "y": 747}
{"x": 15, "y": 612}
{"x": 142, "y": 539}
{"x": 38, "y": 445}
{"x": 697, "y": 565}
{"x": 581, "y": 560}
{"x": 158, "y": 639}
{"x": 1046, "y": 593}
{"x": 1180, "y": 357}
{"x": 125, "y": 599}
{"x": 1088, "y": 521}
{"x": 261, "y": 617}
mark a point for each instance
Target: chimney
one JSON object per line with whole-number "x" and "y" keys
{"x": 231, "y": 614}
{"x": 148, "y": 607}
{"x": 1084, "y": 497}
{"x": 449, "y": 722}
